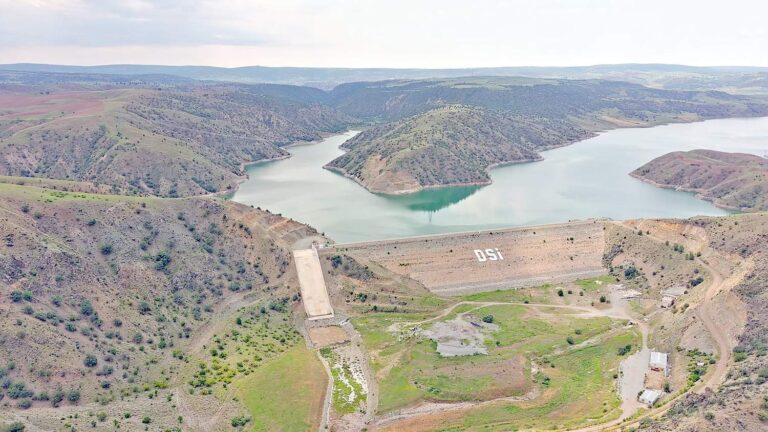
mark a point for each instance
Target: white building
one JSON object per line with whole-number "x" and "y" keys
{"x": 649, "y": 397}
{"x": 659, "y": 362}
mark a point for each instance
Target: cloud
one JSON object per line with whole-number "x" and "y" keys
{"x": 91, "y": 23}
{"x": 378, "y": 33}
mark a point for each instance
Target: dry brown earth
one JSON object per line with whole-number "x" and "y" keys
{"x": 448, "y": 264}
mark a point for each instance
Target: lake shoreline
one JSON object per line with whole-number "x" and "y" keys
{"x": 572, "y": 182}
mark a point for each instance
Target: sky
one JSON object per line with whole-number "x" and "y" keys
{"x": 384, "y": 33}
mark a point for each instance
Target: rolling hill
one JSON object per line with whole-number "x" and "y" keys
{"x": 450, "y": 145}
{"x": 109, "y": 302}
{"x": 424, "y": 144}
{"x": 734, "y": 181}
{"x": 140, "y": 138}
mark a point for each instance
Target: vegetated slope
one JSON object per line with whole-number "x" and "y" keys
{"x": 731, "y": 180}
{"x": 108, "y": 299}
{"x": 453, "y": 144}
{"x": 509, "y": 120}
{"x": 177, "y": 141}
{"x": 597, "y": 104}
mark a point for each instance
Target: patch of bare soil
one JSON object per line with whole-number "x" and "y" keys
{"x": 327, "y": 336}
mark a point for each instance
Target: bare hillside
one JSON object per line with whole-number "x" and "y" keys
{"x": 731, "y": 180}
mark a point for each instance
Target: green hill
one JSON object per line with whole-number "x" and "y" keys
{"x": 451, "y": 145}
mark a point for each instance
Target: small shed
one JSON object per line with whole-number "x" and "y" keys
{"x": 649, "y": 397}
{"x": 659, "y": 361}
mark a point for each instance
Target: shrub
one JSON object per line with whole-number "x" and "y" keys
{"x": 86, "y": 308}
{"x": 162, "y": 260}
{"x": 16, "y": 296}
{"x": 106, "y": 249}
{"x": 27, "y": 295}
{"x": 240, "y": 421}
{"x": 488, "y": 319}
{"x": 57, "y": 397}
{"x": 630, "y": 272}
{"x": 603, "y": 299}
{"x": 146, "y": 420}
{"x": 560, "y": 293}
{"x": 56, "y": 300}
{"x": 13, "y": 427}
{"x": 19, "y": 390}
{"x": 624, "y": 350}
{"x": 144, "y": 307}
{"x": 570, "y": 340}
{"x": 90, "y": 361}
{"x": 24, "y": 404}
{"x": 73, "y": 396}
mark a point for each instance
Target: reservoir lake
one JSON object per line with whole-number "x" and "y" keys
{"x": 588, "y": 179}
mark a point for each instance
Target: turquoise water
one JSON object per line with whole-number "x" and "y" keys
{"x": 588, "y": 179}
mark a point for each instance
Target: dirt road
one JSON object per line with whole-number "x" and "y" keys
{"x": 712, "y": 380}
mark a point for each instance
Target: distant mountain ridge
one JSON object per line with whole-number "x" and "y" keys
{"x": 657, "y": 75}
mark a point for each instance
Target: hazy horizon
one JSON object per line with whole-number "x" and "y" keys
{"x": 429, "y": 34}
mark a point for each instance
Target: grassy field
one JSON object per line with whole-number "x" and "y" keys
{"x": 580, "y": 390}
{"x": 285, "y": 394}
{"x": 569, "y": 361}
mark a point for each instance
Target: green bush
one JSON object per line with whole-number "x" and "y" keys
{"x": 90, "y": 360}
{"x": 86, "y": 308}
{"x": 73, "y": 396}
{"x": 13, "y": 427}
